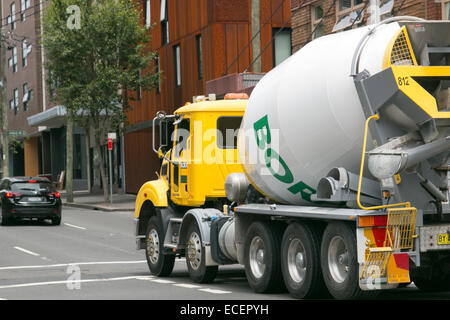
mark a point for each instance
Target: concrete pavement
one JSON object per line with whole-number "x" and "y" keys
{"x": 95, "y": 201}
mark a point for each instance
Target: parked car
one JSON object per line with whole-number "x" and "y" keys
{"x": 26, "y": 197}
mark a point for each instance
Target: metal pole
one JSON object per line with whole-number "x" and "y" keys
{"x": 374, "y": 12}
{"x": 4, "y": 107}
{"x": 110, "y": 176}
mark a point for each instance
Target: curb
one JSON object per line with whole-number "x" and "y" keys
{"x": 96, "y": 207}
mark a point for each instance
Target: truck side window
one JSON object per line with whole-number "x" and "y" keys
{"x": 182, "y": 135}
{"x": 164, "y": 170}
{"x": 227, "y": 132}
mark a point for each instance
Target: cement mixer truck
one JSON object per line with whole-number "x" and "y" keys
{"x": 332, "y": 178}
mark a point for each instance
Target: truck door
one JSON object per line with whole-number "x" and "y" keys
{"x": 180, "y": 160}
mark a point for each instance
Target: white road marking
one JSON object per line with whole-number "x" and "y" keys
{"x": 188, "y": 286}
{"x": 215, "y": 291}
{"x": 74, "y": 226}
{"x": 27, "y": 251}
{"x": 34, "y": 284}
{"x": 162, "y": 281}
{"x": 68, "y": 264}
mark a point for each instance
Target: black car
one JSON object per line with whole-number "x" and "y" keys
{"x": 26, "y": 197}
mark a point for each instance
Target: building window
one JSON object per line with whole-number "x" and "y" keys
{"x": 386, "y": 7}
{"x": 347, "y": 5}
{"x": 198, "y": 41}
{"x": 26, "y": 50}
{"x": 12, "y": 62}
{"x": 27, "y": 94}
{"x": 16, "y": 101}
{"x": 177, "y": 60}
{"x": 446, "y": 10}
{"x": 349, "y": 13}
{"x": 11, "y": 19}
{"x": 282, "y": 47}
{"x": 147, "y": 14}
{"x": 24, "y": 5}
{"x": 316, "y": 22}
{"x": 164, "y": 23}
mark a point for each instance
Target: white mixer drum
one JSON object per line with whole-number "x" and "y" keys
{"x": 304, "y": 117}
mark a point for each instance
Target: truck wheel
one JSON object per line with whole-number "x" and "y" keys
{"x": 339, "y": 262}
{"x": 262, "y": 257}
{"x": 160, "y": 264}
{"x": 300, "y": 261}
{"x": 195, "y": 257}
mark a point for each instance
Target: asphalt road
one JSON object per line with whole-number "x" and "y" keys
{"x": 92, "y": 256}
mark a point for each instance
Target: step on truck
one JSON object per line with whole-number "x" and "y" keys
{"x": 332, "y": 178}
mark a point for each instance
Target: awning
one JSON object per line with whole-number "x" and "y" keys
{"x": 52, "y": 118}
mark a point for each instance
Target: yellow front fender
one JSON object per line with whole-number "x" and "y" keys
{"x": 154, "y": 191}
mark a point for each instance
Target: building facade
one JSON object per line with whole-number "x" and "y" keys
{"x": 36, "y": 123}
{"x": 197, "y": 41}
{"x": 20, "y": 20}
{"x": 312, "y": 19}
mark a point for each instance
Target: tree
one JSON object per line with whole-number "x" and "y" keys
{"x": 96, "y": 52}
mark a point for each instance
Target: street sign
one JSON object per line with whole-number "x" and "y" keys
{"x": 16, "y": 133}
{"x": 112, "y": 135}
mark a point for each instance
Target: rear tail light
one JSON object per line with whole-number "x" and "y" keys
{"x": 12, "y": 195}
{"x": 32, "y": 181}
{"x": 373, "y": 221}
{"x": 55, "y": 194}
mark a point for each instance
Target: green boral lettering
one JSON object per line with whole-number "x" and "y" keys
{"x": 263, "y": 140}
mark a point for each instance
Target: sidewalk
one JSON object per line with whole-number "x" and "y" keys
{"x": 95, "y": 201}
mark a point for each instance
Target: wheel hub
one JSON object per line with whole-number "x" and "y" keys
{"x": 338, "y": 261}
{"x": 296, "y": 260}
{"x": 257, "y": 253}
{"x": 194, "y": 251}
{"x": 153, "y": 246}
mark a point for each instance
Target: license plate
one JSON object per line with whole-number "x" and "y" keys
{"x": 34, "y": 199}
{"x": 443, "y": 239}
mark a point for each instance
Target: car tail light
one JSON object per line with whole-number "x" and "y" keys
{"x": 55, "y": 194}
{"x": 12, "y": 195}
{"x": 32, "y": 181}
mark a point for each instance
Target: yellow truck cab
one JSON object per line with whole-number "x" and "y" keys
{"x": 198, "y": 149}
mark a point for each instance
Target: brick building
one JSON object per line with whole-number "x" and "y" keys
{"x": 20, "y": 20}
{"x": 36, "y": 124}
{"x": 315, "y": 18}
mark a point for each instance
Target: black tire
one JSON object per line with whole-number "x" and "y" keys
{"x": 159, "y": 263}
{"x": 300, "y": 261}
{"x": 343, "y": 281}
{"x": 195, "y": 257}
{"x": 56, "y": 221}
{"x": 262, "y": 258}
{"x": 4, "y": 221}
